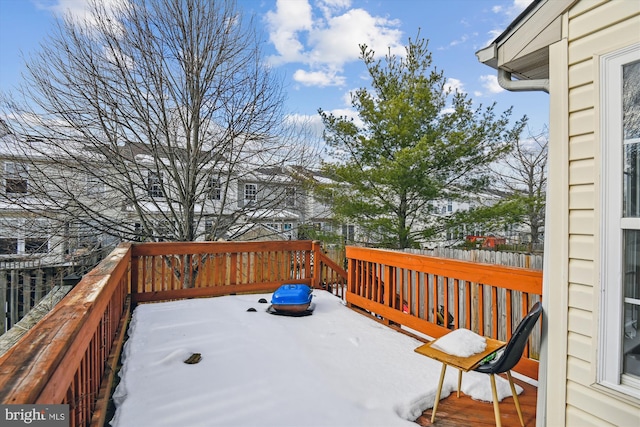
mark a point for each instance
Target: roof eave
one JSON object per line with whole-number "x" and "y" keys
{"x": 523, "y": 48}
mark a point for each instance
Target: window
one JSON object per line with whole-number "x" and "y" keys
{"x": 16, "y": 175}
{"x": 215, "y": 189}
{"x": 164, "y": 231}
{"x": 154, "y": 184}
{"x": 82, "y": 238}
{"x": 36, "y": 245}
{"x": 619, "y": 343}
{"x": 348, "y": 233}
{"x": 290, "y": 197}
{"x": 8, "y": 246}
{"x": 94, "y": 186}
{"x": 250, "y": 193}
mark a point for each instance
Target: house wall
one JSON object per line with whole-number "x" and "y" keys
{"x": 590, "y": 28}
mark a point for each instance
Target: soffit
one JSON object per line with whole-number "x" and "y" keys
{"x": 523, "y": 48}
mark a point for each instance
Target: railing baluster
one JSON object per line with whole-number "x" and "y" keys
{"x": 456, "y": 299}
{"x": 481, "y": 295}
{"x": 494, "y": 312}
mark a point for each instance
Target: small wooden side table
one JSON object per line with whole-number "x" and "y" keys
{"x": 463, "y": 364}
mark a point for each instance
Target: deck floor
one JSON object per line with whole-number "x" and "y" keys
{"x": 464, "y": 411}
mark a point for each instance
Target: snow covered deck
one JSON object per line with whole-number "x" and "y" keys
{"x": 335, "y": 367}
{"x": 71, "y": 355}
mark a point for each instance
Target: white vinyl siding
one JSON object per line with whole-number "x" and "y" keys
{"x": 591, "y": 29}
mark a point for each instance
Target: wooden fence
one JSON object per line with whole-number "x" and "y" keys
{"x": 164, "y": 271}
{"x": 512, "y": 259}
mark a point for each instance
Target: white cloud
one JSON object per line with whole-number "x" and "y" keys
{"x": 454, "y": 85}
{"x": 81, "y": 9}
{"x": 338, "y": 41}
{"x": 490, "y": 83}
{"x": 346, "y": 98}
{"x": 318, "y": 78}
{"x": 330, "y": 7}
{"x": 513, "y": 10}
{"x": 509, "y": 13}
{"x": 285, "y": 24}
{"x": 310, "y": 126}
{"x": 329, "y": 39}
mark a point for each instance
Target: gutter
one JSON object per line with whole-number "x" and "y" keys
{"x": 505, "y": 82}
{"x": 489, "y": 57}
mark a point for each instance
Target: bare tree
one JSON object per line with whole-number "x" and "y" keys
{"x": 138, "y": 121}
{"x": 522, "y": 175}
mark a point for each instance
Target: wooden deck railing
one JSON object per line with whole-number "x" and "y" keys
{"x": 432, "y": 295}
{"x": 165, "y": 271}
{"x": 70, "y": 356}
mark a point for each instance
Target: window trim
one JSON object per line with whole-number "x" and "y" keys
{"x": 16, "y": 175}
{"x": 290, "y": 196}
{"x": 94, "y": 186}
{"x": 253, "y": 199}
{"x": 610, "y": 363}
{"x": 215, "y": 188}
{"x": 155, "y": 184}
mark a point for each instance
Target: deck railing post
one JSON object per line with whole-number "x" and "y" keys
{"x": 316, "y": 249}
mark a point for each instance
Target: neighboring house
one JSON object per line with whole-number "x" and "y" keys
{"x": 285, "y": 202}
{"x": 264, "y": 204}
{"x": 586, "y": 55}
{"x": 30, "y": 229}
{"x": 513, "y": 234}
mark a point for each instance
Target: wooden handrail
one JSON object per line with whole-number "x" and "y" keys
{"x": 68, "y": 357}
{"x": 433, "y": 295}
{"x": 61, "y": 359}
{"x": 165, "y": 271}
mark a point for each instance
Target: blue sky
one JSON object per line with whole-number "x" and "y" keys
{"x": 314, "y": 44}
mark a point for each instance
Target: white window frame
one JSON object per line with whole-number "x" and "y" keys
{"x": 155, "y": 185}
{"x": 610, "y": 363}
{"x": 290, "y": 197}
{"x": 215, "y": 188}
{"x": 16, "y": 171}
{"x": 250, "y": 190}
{"x": 94, "y": 187}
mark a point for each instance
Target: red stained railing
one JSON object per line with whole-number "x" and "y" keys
{"x": 70, "y": 356}
{"x": 65, "y": 358}
{"x": 433, "y": 295}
